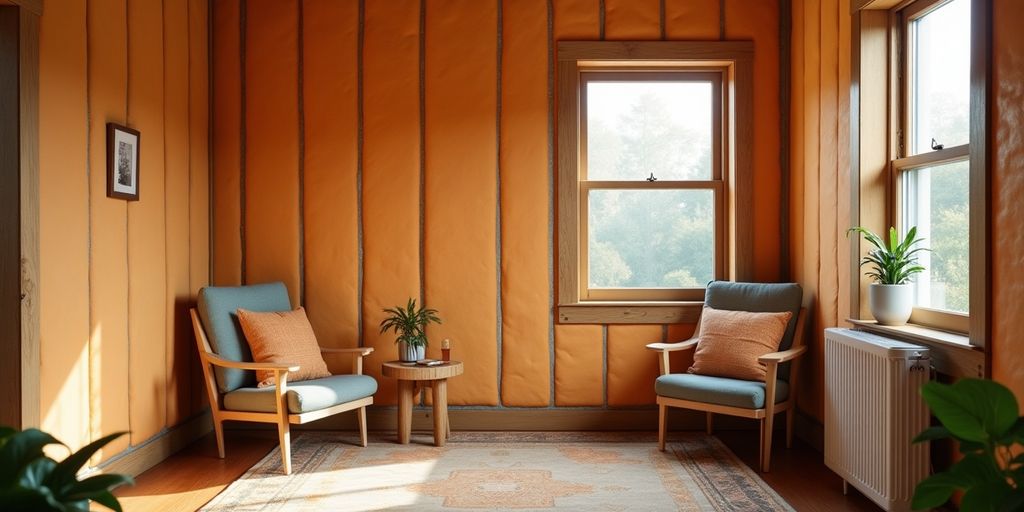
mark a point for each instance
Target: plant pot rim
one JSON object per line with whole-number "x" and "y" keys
{"x": 882, "y": 284}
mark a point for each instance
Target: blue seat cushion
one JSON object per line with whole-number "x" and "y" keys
{"x": 760, "y": 298}
{"x": 304, "y": 396}
{"x": 745, "y": 394}
{"x": 218, "y": 310}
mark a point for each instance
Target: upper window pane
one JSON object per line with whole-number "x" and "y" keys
{"x": 651, "y": 238}
{"x": 635, "y": 129}
{"x": 940, "y": 53}
{"x": 936, "y": 201}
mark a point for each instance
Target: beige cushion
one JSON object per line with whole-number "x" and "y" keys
{"x": 731, "y": 341}
{"x": 283, "y": 337}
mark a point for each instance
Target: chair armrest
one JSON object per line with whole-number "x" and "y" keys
{"x": 357, "y": 362}
{"x": 782, "y": 357}
{"x": 247, "y": 365}
{"x": 361, "y": 351}
{"x": 673, "y": 347}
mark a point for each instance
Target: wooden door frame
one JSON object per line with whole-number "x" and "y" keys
{"x": 27, "y": 364}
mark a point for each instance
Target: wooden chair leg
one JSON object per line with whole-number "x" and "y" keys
{"x": 710, "y": 423}
{"x": 361, "y": 413}
{"x": 766, "y": 440}
{"x": 790, "y": 416}
{"x": 285, "y": 438}
{"x": 218, "y": 430}
{"x": 662, "y": 423}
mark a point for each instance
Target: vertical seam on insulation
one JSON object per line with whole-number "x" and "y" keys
{"x": 127, "y": 210}
{"x": 242, "y": 22}
{"x": 88, "y": 181}
{"x": 600, "y": 19}
{"x": 188, "y": 153}
{"x": 604, "y": 365}
{"x": 721, "y": 19}
{"x": 210, "y": 221}
{"x": 302, "y": 155}
{"x": 551, "y": 201}
{"x": 661, "y": 19}
{"x": 423, "y": 149}
{"x": 360, "y": 37}
{"x": 497, "y": 204}
{"x": 785, "y": 157}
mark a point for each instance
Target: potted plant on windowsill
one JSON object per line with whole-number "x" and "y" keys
{"x": 891, "y": 296}
{"x": 410, "y": 324}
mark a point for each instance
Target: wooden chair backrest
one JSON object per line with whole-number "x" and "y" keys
{"x": 203, "y": 345}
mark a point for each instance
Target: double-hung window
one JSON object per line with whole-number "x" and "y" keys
{"x": 654, "y": 182}
{"x": 932, "y": 172}
{"x": 651, "y": 187}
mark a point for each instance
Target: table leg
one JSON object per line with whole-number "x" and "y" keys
{"x": 440, "y": 390}
{"x": 405, "y": 396}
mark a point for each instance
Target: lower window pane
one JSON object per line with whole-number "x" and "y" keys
{"x": 651, "y": 238}
{"x": 936, "y": 200}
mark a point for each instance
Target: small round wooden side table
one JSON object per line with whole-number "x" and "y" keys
{"x": 412, "y": 379}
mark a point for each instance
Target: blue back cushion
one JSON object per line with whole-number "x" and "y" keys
{"x": 218, "y": 309}
{"x": 760, "y": 298}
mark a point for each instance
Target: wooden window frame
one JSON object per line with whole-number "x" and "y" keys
{"x": 729, "y": 61}
{"x": 905, "y": 15}
{"x": 876, "y": 121}
{"x": 716, "y": 184}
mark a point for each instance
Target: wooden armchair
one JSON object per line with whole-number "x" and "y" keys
{"x": 230, "y": 382}
{"x": 748, "y": 399}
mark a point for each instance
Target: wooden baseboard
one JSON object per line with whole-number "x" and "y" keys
{"x": 138, "y": 459}
{"x": 508, "y": 419}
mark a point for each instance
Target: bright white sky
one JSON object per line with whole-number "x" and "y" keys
{"x": 943, "y": 66}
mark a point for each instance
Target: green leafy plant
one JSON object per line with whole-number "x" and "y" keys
{"x": 894, "y": 263}
{"x": 409, "y": 323}
{"x": 31, "y": 481}
{"x": 983, "y": 416}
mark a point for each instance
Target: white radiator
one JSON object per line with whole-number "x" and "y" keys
{"x": 873, "y": 408}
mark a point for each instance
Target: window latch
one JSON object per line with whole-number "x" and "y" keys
{"x": 935, "y": 145}
{"x": 652, "y": 178}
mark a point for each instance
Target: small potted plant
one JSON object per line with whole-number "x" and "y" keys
{"x": 410, "y": 324}
{"x": 891, "y": 296}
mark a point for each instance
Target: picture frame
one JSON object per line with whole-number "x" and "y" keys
{"x": 122, "y": 162}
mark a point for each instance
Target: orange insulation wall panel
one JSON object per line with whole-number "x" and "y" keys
{"x": 692, "y": 19}
{"x": 525, "y": 182}
{"x": 681, "y": 360}
{"x": 579, "y": 358}
{"x": 759, "y": 21}
{"x": 576, "y": 20}
{"x": 330, "y": 32}
{"x": 147, "y": 279}
{"x": 108, "y": 346}
{"x": 579, "y": 365}
{"x": 227, "y": 144}
{"x": 461, "y": 188}
{"x": 1008, "y": 186}
{"x": 272, "y": 145}
{"x": 390, "y": 173}
{"x": 200, "y": 256}
{"x": 176, "y": 174}
{"x": 64, "y": 227}
{"x": 632, "y": 368}
{"x": 632, "y": 20}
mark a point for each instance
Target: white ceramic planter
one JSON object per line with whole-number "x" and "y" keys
{"x": 408, "y": 353}
{"x": 891, "y": 304}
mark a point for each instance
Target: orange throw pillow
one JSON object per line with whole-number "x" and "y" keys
{"x": 283, "y": 337}
{"x": 731, "y": 341}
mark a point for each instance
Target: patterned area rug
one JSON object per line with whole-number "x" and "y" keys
{"x": 503, "y": 471}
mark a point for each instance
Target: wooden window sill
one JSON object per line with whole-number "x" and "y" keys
{"x": 951, "y": 353}
{"x": 608, "y": 312}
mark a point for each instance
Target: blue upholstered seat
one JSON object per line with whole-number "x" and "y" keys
{"x": 304, "y": 396}
{"x": 218, "y": 306}
{"x": 744, "y": 394}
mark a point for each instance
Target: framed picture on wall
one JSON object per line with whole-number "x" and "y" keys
{"x": 122, "y": 162}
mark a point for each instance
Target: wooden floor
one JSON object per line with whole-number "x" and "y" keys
{"x": 189, "y": 479}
